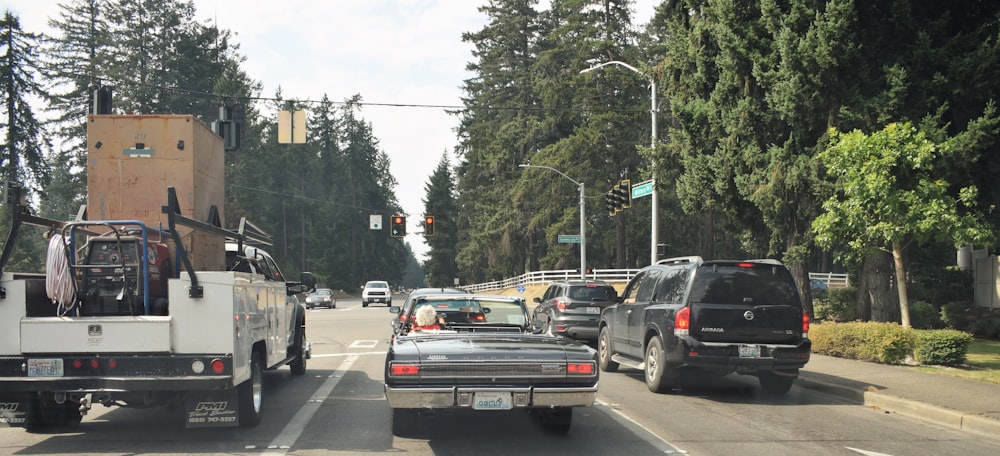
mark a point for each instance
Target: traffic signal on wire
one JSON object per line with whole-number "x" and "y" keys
{"x": 612, "y": 203}
{"x": 429, "y": 225}
{"x": 398, "y": 226}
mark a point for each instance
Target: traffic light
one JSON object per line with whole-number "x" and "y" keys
{"x": 620, "y": 198}
{"x": 612, "y": 202}
{"x": 625, "y": 190}
{"x": 428, "y": 225}
{"x": 398, "y": 226}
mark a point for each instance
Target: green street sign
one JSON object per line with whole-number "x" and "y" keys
{"x": 569, "y": 238}
{"x": 643, "y": 189}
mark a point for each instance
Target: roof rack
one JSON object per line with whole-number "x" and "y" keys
{"x": 681, "y": 260}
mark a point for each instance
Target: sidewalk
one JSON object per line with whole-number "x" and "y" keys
{"x": 949, "y": 401}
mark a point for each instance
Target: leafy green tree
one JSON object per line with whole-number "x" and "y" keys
{"x": 890, "y": 193}
{"x": 440, "y": 267}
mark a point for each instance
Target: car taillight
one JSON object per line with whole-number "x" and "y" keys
{"x": 405, "y": 369}
{"x": 682, "y": 322}
{"x": 479, "y": 317}
{"x": 580, "y": 368}
{"x": 561, "y": 305}
{"x": 744, "y": 265}
{"x": 805, "y": 325}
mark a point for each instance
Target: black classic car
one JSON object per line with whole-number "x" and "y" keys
{"x": 484, "y": 357}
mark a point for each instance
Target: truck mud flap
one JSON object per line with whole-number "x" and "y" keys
{"x": 211, "y": 409}
{"x": 14, "y": 409}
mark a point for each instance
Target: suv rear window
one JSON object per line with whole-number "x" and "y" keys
{"x": 590, "y": 292}
{"x": 744, "y": 284}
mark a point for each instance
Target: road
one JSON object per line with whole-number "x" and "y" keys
{"x": 338, "y": 408}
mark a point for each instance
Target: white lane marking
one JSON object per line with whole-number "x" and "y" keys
{"x": 333, "y": 355}
{"x": 363, "y": 344}
{"x": 639, "y": 430}
{"x": 284, "y": 441}
{"x": 867, "y": 453}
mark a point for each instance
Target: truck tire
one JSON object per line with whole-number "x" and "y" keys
{"x": 404, "y": 422}
{"x": 775, "y": 384}
{"x": 604, "y": 351}
{"x": 251, "y": 393}
{"x": 655, "y": 369}
{"x": 298, "y": 364}
{"x": 46, "y": 415}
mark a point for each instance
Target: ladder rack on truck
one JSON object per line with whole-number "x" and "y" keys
{"x": 127, "y": 329}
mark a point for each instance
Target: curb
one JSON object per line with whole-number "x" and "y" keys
{"x": 954, "y": 419}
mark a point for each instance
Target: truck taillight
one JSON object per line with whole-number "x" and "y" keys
{"x": 805, "y": 325}
{"x": 682, "y": 322}
{"x": 218, "y": 366}
{"x": 404, "y": 369}
{"x": 580, "y": 368}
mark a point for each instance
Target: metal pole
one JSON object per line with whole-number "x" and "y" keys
{"x": 654, "y": 225}
{"x": 583, "y": 236}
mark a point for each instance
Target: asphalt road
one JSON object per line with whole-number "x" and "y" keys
{"x": 338, "y": 408}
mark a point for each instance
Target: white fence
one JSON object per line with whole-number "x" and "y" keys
{"x": 608, "y": 275}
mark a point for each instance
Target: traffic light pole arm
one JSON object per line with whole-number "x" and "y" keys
{"x": 654, "y": 229}
{"x": 583, "y": 209}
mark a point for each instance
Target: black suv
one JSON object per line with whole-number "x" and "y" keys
{"x": 572, "y": 308}
{"x": 712, "y": 317}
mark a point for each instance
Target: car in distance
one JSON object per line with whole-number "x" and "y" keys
{"x": 685, "y": 315}
{"x": 376, "y": 291}
{"x": 486, "y": 359}
{"x": 401, "y": 314}
{"x": 817, "y": 287}
{"x": 572, "y": 308}
{"x": 321, "y": 297}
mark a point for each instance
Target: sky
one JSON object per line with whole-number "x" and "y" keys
{"x": 398, "y": 52}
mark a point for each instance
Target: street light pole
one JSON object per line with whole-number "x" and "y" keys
{"x": 583, "y": 228}
{"x": 654, "y": 224}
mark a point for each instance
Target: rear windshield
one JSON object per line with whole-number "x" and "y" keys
{"x": 590, "y": 293}
{"x": 751, "y": 285}
{"x": 376, "y": 285}
{"x": 475, "y": 311}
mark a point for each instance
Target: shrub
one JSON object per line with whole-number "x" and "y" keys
{"x": 885, "y": 343}
{"x": 837, "y": 304}
{"x": 923, "y": 315}
{"x": 953, "y": 314}
{"x": 946, "y": 347}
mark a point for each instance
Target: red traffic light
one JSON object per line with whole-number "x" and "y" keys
{"x": 429, "y": 225}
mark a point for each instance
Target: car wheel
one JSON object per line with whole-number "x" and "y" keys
{"x": 557, "y": 420}
{"x": 775, "y": 384}
{"x": 364, "y": 304}
{"x": 251, "y": 394}
{"x": 604, "y": 351}
{"x": 298, "y": 364}
{"x": 656, "y": 381}
{"x": 404, "y": 422}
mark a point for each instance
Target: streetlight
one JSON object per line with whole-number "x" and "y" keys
{"x": 583, "y": 229}
{"x": 654, "y": 228}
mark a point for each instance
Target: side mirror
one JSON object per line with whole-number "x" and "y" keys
{"x": 394, "y": 309}
{"x": 537, "y": 299}
{"x": 309, "y": 280}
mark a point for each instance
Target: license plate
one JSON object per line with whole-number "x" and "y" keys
{"x": 593, "y": 310}
{"x": 45, "y": 368}
{"x": 749, "y": 351}
{"x": 492, "y": 401}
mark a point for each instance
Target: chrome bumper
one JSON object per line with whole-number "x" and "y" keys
{"x": 461, "y": 397}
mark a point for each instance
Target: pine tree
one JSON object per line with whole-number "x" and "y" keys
{"x": 23, "y": 160}
{"x": 440, "y": 267}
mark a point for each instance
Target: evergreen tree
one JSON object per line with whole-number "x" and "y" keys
{"x": 440, "y": 267}
{"x": 22, "y": 161}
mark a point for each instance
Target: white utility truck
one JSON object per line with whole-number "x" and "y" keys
{"x": 142, "y": 303}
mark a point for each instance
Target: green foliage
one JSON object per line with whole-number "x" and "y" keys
{"x": 953, "y": 314}
{"x": 946, "y": 347}
{"x": 887, "y": 343}
{"x": 837, "y": 304}
{"x": 924, "y": 315}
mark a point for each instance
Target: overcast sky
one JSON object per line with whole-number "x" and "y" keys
{"x": 396, "y": 52}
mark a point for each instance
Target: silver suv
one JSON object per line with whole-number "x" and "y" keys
{"x": 376, "y": 291}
